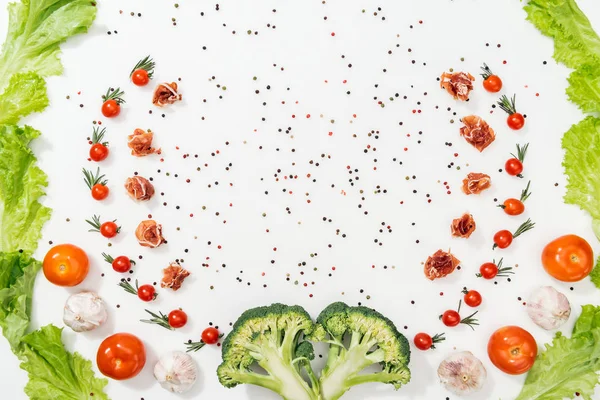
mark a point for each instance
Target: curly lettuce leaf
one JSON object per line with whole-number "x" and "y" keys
{"x": 575, "y": 41}
{"x": 21, "y": 185}
{"x": 25, "y": 93}
{"x": 584, "y": 87}
{"x": 36, "y": 28}
{"x": 54, "y": 373}
{"x": 582, "y": 166}
{"x": 17, "y": 276}
{"x": 588, "y": 320}
{"x": 595, "y": 275}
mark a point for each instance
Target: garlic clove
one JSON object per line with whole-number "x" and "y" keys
{"x": 84, "y": 311}
{"x": 176, "y": 372}
{"x": 462, "y": 373}
{"x": 548, "y": 308}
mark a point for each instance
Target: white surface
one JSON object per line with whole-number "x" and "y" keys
{"x": 302, "y": 44}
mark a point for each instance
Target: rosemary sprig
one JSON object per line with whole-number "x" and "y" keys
{"x": 109, "y": 259}
{"x": 95, "y": 223}
{"x": 147, "y": 64}
{"x": 437, "y": 338}
{"x": 525, "y": 193}
{"x": 114, "y": 94}
{"x": 90, "y": 179}
{"x": 487, "y": 72}
{"x": 161, "y": 320}
{"x": 521, "y": 152}
{"x": 525, "y": 226}
{"x": 195, "y": 346}
{"x": 133, "y": 290}
{"x": 470, "y": 321}
{"x": 98, "y": 136}
{"x": 508, "y": 106}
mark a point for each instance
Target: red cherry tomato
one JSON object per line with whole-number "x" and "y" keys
{"x": 451, "y": 318}
{"x": 513, "y": 206}
{"x": 423, "y": 341}
{"x": 503, "y": 238}
{"x": 121, "y": 264}
{"x": 493, "y": 84}
{"x": 110, "y": 108}
{"x": 513, "y": 167}
{"x": 99, "y": 191}
{"x": 146, "y": 293}
{"x": 472, "y": 298}
{"x": 98, "y": 152}
{"x": 210, "y": 335}
{"x": 488, "y": 270}
{"x": 109, "y": 229}
{"x": 139, "y": 77}
{"x": 515, "y": 121}
{"x": 177, "y": 319}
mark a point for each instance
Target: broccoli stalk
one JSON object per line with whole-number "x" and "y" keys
{"x": 269, "y": 336}
{"x": 373, "y": 340}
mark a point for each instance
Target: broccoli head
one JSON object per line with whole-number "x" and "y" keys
{"x": 272, "y": 338}
{"x": 373, "y": 339}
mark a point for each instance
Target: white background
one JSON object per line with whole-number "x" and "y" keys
{"x": 303, "y": 45}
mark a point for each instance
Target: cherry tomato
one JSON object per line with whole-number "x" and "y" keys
{"x": 472, "y": 297}
{"x": 66, "y": 265}
{"x": 109, "y": 229}
{"x": 98, "y": 152}
{"x": 121, "y": 356}
{"x": 513, "y": 167}
{"x": 488, "y": 270}
{"x": 121, "y": 264}
{"x": 568, "y": 258}
{"x": 503, "y": 239}
{"x": 177, "y": 318}
{"x": 139, "y": 77}
{"x": 513, "y": 206}
{"x": 512, "y": 350}
{"x": 210, "y": 335}
{"x": 423, "y": 341}
{"x": 99, "y": 191}
{"x": 492, "y": 84}
{"x": 110, "y": 108}
{"x": 451, "y": 318}
{"x": 515, "y": 121}
{"x": 146, "y": 292}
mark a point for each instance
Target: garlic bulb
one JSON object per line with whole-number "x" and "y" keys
{"x": 462, "y": 373}
{"x": 548, "y": 308}
{"x": 84, "y": 311}
{"x": 176, "y": 372}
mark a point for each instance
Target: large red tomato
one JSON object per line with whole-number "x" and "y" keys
{"x": 121, "y": 356}
{"x": 568, "y": 258}
{"x": 512, "y": 350}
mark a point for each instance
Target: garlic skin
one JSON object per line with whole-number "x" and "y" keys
{"x": 462, "y": 373}
{"x": 84, "y": 312}
{"x": 548, "y": 308}
{"x": 176, "y": 372}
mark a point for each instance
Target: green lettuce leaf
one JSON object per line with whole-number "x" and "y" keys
{"x": 26, "y": 93}
{"x": 17, "y": 276}
{"x": 54, "y": 373}
{"x": 36, "y": 28}
{"x": 584, "y": 87}
{"x": 582, "y": 166}
{"x": 595, "y": 275}
{"x": 575, "y": 42}
{"x": 588, "y": 320}
{"x": 21, "y": 185}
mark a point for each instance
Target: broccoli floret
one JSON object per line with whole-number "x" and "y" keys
{"x": 272, "y": 338}
{"x": 373, "y": 340}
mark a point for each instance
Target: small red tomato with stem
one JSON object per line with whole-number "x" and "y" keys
{"x": 210, "y": 335}
{"x": 145, "y": 292}
{"x": 504, "y": 238}
{"x": 514, "y": 206}
{"x": 424, "y": 341}
{"x": 492, "y": 83}
{"x": 142, "y": 72}
{"x": 96, "y": 183}
{"x": 99, "y": 149}
{"x": 112, "y": 102}
{"x": 107, "y": 229}
{"x": 452, "y": 318}
{"x": 515, "y": 120}
{"x": 472, "y": 298}
{"x": 490, "y": 270}
{"x": 514, "y": 165}
{"x": 176, "y": 319}
{"x": 120, "y": 264}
